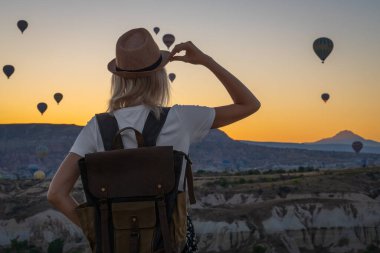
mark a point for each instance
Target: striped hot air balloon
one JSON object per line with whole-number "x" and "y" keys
{"x": 168, "y": 40}
{"x": 323, "y": 47}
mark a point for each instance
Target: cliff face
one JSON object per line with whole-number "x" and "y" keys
{"x": 41, "y": 229}
{"x": 232, "y": 215}
{"x": 237, "y": 224}
{"x": 300, "y": 223}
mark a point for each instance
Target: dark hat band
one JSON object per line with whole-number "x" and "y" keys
{"x": 151, "y": 67}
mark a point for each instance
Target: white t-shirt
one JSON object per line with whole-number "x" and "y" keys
{"x": 185, "y": 124}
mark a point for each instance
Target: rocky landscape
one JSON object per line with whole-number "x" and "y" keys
{"x": 317, "y": 211}
{"x": 251, "y": 198}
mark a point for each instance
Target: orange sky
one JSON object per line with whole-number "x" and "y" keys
{"x": 268, "y": 46}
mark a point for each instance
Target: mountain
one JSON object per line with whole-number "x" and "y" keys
{"x": 19, "y": 144}
{"x": 341, "y": 142}
{"x": 219, "y": 152}
{"x": 19, "y": 155}
{"x": 346, "y": 137}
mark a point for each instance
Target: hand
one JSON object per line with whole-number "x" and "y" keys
{"x": 192, "y": 55}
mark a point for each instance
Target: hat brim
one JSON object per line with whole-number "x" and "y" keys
{"x": 132, "y": 74}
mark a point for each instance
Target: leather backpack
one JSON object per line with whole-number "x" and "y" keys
{"x": 132, "y": 200}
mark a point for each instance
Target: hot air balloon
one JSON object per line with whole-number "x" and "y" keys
{"x": 42, "y": 151}
{"x": 39, "y": 175}
{"x": 357, "y": 146}
{"x": 22, "y": 25}
{"x": 168, "y": 40}
{"x": 323, "y": 47}
{"x": 58, "y": 97}
{"x": 171, "y": 77}
{"x": 156, "y": 30}
{"x": 8, "y": 70}
{"x": 33, "y": 167}
{"x": 42, "y": 107}
{"x": 325, "y": 97}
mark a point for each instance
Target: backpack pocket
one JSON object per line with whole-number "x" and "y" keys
{"x": 179, "y": 225}
{"x": 134, "y": 225}
{"x": 86, "y": 214}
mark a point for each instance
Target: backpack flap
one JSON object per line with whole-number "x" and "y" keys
{"x": 147, "y": 172}
{"x": 124, "y": 213}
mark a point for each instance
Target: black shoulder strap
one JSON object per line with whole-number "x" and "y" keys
{"x": 108, "y": 128}
{"x": 153, "y": 126}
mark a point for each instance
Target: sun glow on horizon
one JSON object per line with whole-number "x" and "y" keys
{"x": 268, "y": 46}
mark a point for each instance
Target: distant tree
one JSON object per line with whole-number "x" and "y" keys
{"x": 301, "y": 169}
{"x": 343, "y": 242}
{"x": 223, "y": 182}
{"x": 21, "y": 247}
{"x": 56, "y": 246}
{"x": 254, "y": 172}
{"x": 242, "y": 181}
{"x": 258, "y": 248}
{"x": 372, "y": 249}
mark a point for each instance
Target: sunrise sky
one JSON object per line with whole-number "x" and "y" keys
{"x": 266, "y": 44}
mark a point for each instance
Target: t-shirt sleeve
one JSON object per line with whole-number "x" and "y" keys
{"x": 86, "y": 140}
{"x": 196, "y": 119}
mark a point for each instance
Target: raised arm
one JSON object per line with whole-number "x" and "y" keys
{"x": 245, "y": 103}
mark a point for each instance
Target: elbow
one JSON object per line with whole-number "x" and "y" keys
{"x": 255, "y": 106}
{"x": 53, "y": 197}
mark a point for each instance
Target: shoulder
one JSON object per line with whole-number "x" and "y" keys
{"x": 196, "y": 119}
{"x": 91, "y": 126}
{"x": 92, "y": 122}
{"x": 86, "y": 141}
{"x": 192, "y": 109}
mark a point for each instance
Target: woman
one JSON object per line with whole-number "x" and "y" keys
{"x": 139, "y": 84}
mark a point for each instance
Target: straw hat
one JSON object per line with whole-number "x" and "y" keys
{"x": 137, "y": 54}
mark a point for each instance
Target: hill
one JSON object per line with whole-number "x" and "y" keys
{"x": 20, "y": 152}
{"x": 341, "y": 142}
{"x": 345, "y": 137}
{"x": 219, "y": 152}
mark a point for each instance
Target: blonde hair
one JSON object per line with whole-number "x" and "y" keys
{"x": 152, "y": 90}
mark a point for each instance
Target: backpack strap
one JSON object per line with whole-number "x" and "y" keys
{"x": 153, "y": 126}
{"x": 189, "y": 180}
{"x": 108, "y": 128}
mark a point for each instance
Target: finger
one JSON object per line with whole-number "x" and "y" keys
{"x": 178, "y": 48}
{"x": 180, "y": 58}
{"x": 190, "y": 43}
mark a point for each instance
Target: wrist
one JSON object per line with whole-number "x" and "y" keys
{"x": 207, "y": 61}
